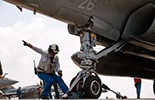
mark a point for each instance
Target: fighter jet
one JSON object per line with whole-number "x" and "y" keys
{"x": 125, "y": 27}
{"x": 5, "y": 82}
{"x": 28, "y": 92}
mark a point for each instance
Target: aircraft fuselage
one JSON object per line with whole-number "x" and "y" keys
{"x": 130, "y": 20}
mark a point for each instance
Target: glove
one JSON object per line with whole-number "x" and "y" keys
{"x": 26, "y": 44}
{"x": 60, "y": 73}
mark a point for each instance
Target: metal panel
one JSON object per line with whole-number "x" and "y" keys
{"x": 102, "y": 28}
{"x": 72, "y": 17}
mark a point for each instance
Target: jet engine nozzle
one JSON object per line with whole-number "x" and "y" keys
{"x": 141, "y": 24}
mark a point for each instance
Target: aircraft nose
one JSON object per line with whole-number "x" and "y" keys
{"x": 11, "y": 81}
{"x": 4, "y": 82}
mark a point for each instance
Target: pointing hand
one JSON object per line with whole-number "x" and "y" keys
{"x": 26, "y": 44}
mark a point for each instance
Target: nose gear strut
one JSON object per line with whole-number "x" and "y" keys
{"x": 88, "y": 65}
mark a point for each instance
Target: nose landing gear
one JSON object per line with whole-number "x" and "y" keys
{"x": 87, "y": 81}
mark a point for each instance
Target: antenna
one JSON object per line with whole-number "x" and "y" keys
{"x": 34, "y": 63}
{"x": 35, "y": 69}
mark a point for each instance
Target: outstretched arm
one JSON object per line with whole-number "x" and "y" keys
{"x": 33, "y": 47}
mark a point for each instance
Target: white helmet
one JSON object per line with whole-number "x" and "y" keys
{"x": 53, "y": 48}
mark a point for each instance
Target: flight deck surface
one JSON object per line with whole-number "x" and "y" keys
{"x": 130, "y": 99}
{"x": 103, "y": 99}
{"x": 120, "y": 99}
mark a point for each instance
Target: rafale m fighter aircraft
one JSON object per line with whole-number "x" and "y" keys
{"x": 5, "y": 82}
{"x": 125, "y": 27}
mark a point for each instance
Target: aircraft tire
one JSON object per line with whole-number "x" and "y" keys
{"x": 92, "y": 87}
{"x": 78, "y": 86}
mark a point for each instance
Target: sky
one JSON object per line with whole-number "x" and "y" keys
{"x": 41, "y": 31}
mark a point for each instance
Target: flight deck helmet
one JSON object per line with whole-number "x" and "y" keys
{"x": 53, "y": 48}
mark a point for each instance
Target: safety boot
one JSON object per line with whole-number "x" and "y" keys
{"x": 44, "y": 97}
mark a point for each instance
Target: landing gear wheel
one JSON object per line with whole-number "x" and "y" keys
{"x": 78, "y": 87}
{"x": 92, "y": 87}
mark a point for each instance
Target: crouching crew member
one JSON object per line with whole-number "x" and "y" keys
{"x": 49, "y": 63}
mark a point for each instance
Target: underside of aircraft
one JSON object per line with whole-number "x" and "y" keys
{"x": 124, "y": 27}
